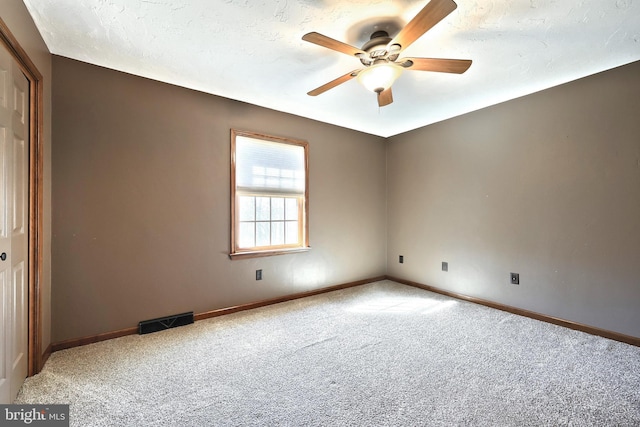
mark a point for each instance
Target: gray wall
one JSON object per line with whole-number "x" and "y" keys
{"x": 141, "y": 203}
{"x": 547, "y": 186}
{"x": 15, "y": 15}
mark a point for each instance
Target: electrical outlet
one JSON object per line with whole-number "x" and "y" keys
{"x": 515, "y": 279}
{"x": 258, "y": 274}
{"x": 445, "y": 266}
{"x": 401, "y": 259}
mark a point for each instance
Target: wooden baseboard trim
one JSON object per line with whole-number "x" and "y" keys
{"x": 76, "y": 342}
{"x": 628, "y": 339}
{"x": 45, "y": 357}
{"x": 258, "y": 304}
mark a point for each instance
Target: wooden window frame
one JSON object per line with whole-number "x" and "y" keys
{"x": 303, "y": 213}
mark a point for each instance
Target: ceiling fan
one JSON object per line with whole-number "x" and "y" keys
{"x": 380, "y": 54}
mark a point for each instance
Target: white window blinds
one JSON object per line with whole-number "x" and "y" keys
{"x": 266, "y": 167}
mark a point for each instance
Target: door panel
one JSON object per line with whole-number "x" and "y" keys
{"x": 18, "y": 356}
{"x": 3, "y": 179}
{"x": 5, "y": 386}
{"x": 19, "y": 187}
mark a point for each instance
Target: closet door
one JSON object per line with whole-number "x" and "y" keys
{"x": 14, "y": 170}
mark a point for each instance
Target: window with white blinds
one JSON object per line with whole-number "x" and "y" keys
{"x": 269, "y": 195}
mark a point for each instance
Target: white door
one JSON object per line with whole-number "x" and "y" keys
{"x": 14, "y": 169}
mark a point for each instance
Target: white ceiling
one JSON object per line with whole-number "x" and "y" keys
{"x": 251, "y": 50}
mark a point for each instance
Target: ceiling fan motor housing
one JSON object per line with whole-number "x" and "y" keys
{"x": 378, "y": 49}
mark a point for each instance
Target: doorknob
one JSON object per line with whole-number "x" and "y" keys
{"x": 3, "y": 256}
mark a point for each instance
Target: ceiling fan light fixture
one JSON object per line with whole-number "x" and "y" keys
{"x": 379, "y": 77}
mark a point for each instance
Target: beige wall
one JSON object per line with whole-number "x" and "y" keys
{"x": 15, "y": 15}
{"x": 547, "y": 186}
{"x": 141, "y": 203}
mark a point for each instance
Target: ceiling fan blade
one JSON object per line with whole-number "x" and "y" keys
{"x": 434, "y": 12}
{"x": 457, "y": 66}
{"x": 385, "y": 97}
{"x": 333, "y": 83}
{"x": 330, "y": 43}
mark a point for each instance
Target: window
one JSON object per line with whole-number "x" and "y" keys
{"x": 269, "y": 195}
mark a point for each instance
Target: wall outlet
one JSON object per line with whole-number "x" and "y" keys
{"x": 445, "y": 266}
{"x": 515, "y": 279}
{"x": 401, "y": 259}
{"x": 258, "y": 274}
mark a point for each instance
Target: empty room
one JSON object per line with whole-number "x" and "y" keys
{"x": 320, "y": 213}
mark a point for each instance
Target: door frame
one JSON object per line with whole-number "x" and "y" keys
{"x": 36, "y": 190}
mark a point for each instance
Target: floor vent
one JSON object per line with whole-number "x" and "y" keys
{"x": 162, "y": 323}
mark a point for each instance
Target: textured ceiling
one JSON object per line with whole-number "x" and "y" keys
{"x": 252, "y": 50}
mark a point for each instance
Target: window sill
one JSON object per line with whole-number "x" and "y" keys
{"x": 256, "y": 254}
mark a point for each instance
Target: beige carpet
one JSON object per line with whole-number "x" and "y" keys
{"x": 382, "y": 354}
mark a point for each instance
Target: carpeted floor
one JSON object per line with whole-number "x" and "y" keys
{"x": 381, "y": 354}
